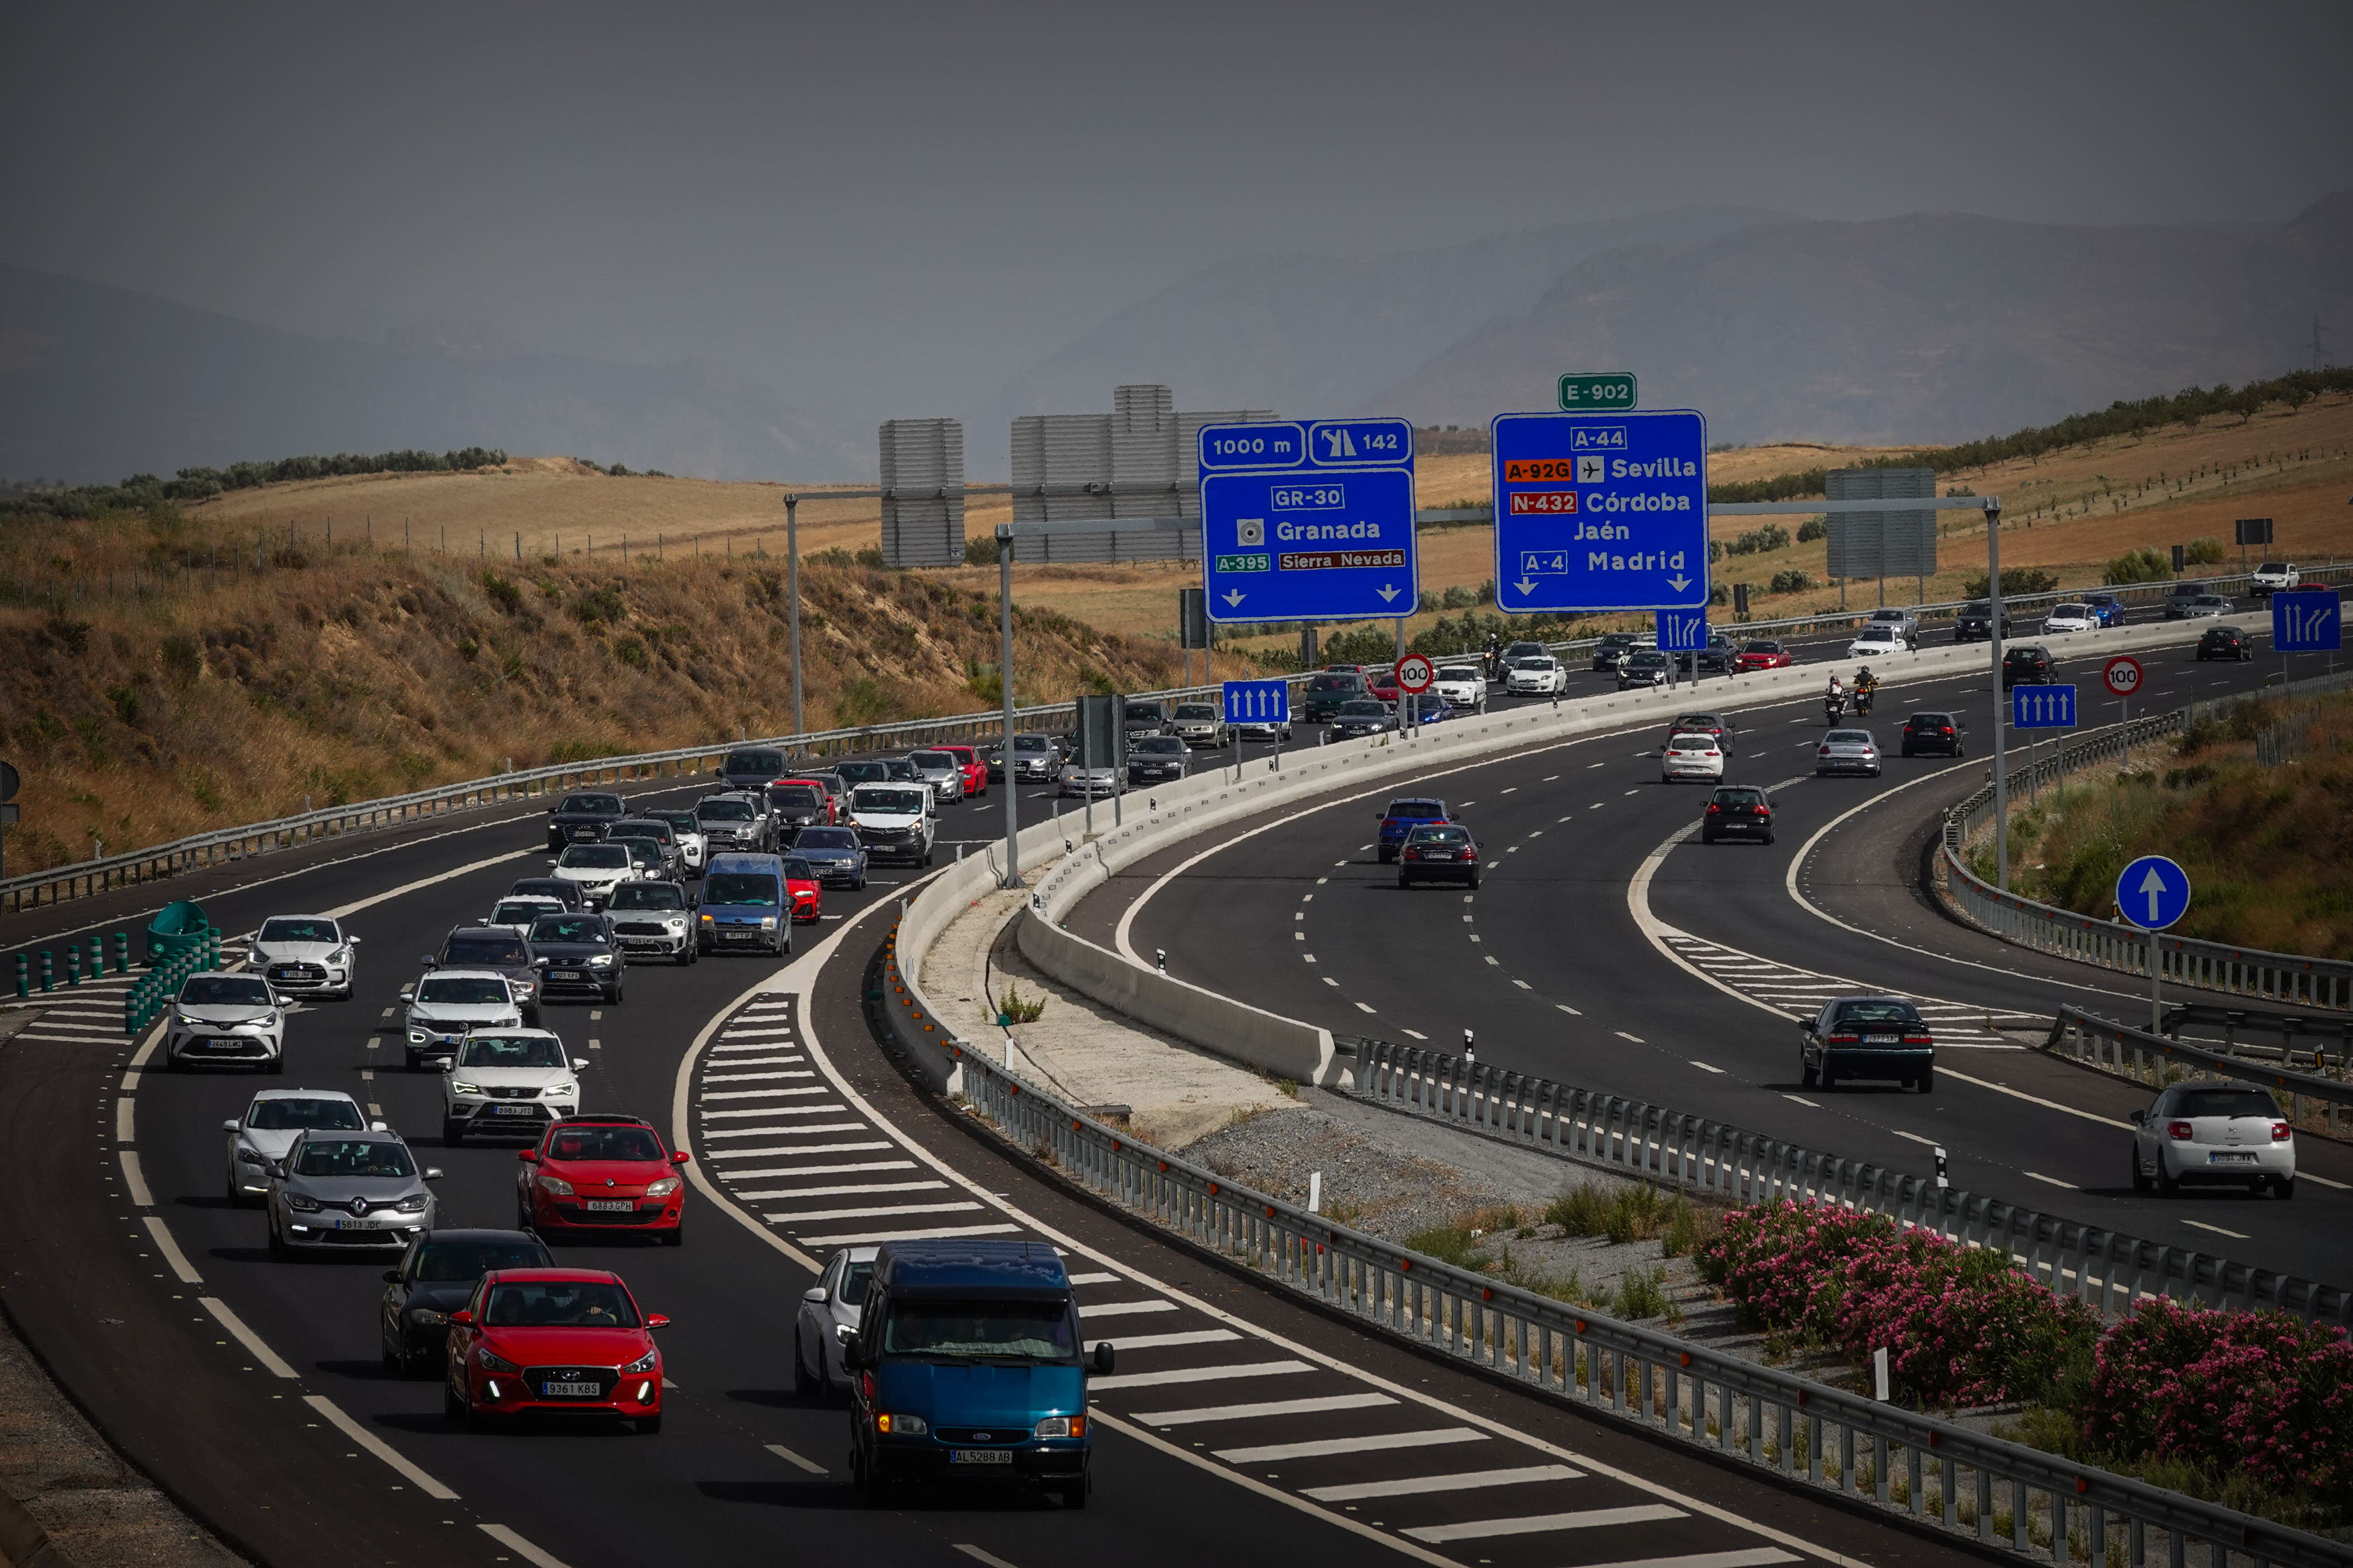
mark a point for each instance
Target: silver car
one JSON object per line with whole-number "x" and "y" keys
{"x": 941, "y": 771}
{"x": 448, "y": 1004}
{"x": 1847, "y": 752}
{"x": 1198, "y": 724}
{"x": 509, "y": 1082}
{"x": 2201, "y": 1132}
{"x": 271, "y": 1125}
{"x": 519, "y": 914}
{"x": 227, "y": 1019}
{"x": 1088, "y": 783}
{"x": 1036, "y": 757}
{"x": 342, "y": 1190}
{"x": 305, "y": 955}
{"x": 830, "y": 1309}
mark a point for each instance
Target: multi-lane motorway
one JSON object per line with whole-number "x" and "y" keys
{"x": 1241, "y": 1426}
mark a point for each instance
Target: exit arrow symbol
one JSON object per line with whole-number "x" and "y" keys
{"x": 1525, "y": 586}
{"x": 1389, "y": 594}
{"x": 2153, "y": 884}
{"x": 1678, "y": 584}
{"x": 1233, "y": 598}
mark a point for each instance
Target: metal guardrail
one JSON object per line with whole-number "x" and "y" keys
{"x": 2119, "y": 1047}
{"x": 2288, "y": 1026}
{"x": 1805, "y": 1434}
{"x": 2292, "y": 978}
{"x": 2103, "y": 1268}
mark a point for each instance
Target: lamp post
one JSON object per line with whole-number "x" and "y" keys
{"x": 2000, "y": 718}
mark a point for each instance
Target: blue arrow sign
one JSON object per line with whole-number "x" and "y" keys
{"x": 2153, "y": 893}
{"x": 2042, "y": 707}
{"x": 1682, "y": 631}
{"x": 2307, "y": 621}
{"x": 1322, "y": 534}
{"x": 1600, "y": 512}
{"x": 1258, "y": 703}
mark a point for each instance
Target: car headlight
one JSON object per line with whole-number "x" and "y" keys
{"x": 427, "y": 1317}
{"x": 301, "y": 1204}
{"x": 417, "y": 1036}
{"x": 556, "y": 1185}
{"x": 465, "y": 1089}
{"x": 767, "y": 922}
{"x": 267, "y": 1020}
{"x": 247, "y": 1154}
{"x": 1061, "y": 1427}
{"x": 603, "y": 958}
{"x": 676, "y": 923}
{"x": 643, "y": 1364}
{"x": 489, "y": 1362}
{"x": 560, "y": 1090}
{"x": 903, "y": 1425}
{"x": 253, "y": 956}
{"x": 662, "y": 1188}
{"x": 415, "y": 1203}
{"x": 187, "y": 1021}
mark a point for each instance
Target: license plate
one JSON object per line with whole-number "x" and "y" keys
{"x": 609, "y": 1205}
{"x": 565, "y": 975}
{"x": 980, "y": 1455}
{"x": 570, "y": 1390}
{"x": 359, "y": 1225}
{"x": 2230, "y": 1157}
{"x": 1883, "y": 1039}
{"x": 513, "y": 1109}
{"x": 738, "y": 936}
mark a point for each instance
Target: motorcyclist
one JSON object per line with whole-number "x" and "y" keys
{"x": 1834, "y": 700}
{"x": 1866, "y": 687}
{"x": 1494, "y": 656}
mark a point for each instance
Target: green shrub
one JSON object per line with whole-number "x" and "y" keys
{"x": 181, "y": 660}
{"x": 599, "y": 604}
{"x": 1813, "y": 528}
{"x": 1642, "y": 1293}
{"x": 981, "y": 551}
{"x": 1790, "y": 581}
{"x": 2205, "y": 551}
{"x": 1583, "y": 1210}
{"x": 630, "y": 651}
{"x": 1451, "y": 1244}
{"x": 2015, "y": 580}
{"x": 2143, "y": 565}
{"x": 503, "y": 591}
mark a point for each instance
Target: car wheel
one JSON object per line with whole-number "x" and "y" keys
{"x": 677, "y": 1236}
{"x": 453, "y": 1405}
{"x": 277, "y": 1243}
{"x": 453, "y": 1132}
{"x": 613, "y": 997}
{"x": 1926, "y": 1082}
{"x": 1404, "y": 881}
{"x": 1075, "y": 1494}
{"x": 649, "y": 1426}
{"x": 1829, "y": 1074}
{"x": 1705, "y": 837}
{"x": 276, "y": 1064}
{"x": 804, "y": 1385}
{"x": 1474, "y": 882}
{"x": 2167, "y": 1187}
{"x": 1907, "y": 750}
{"x": 1769, "y": 838}
{"x": 2140, "y": 1183}
{"x": 531, "y": 1017}
{"x": 1804, "y": 1071}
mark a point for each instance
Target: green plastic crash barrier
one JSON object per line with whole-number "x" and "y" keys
{"x": 177, "y": 928}
{"x": 153, "y": 991}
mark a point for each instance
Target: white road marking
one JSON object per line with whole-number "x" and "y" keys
{"x": 1262, "y": 1409}
{"x": 780, "y": 1451}
{"x": 1413, "y": 1034}
{"x": 1364, "y": 1007}
{"x": 1750, "y": 1557}
{"x": 515, "y": 1543}
{"x": 2218, "y": 1230}
{"x": 1121, "y": 1309}
{"x": 1411, "y": 1485}
{"x": 1545, "y": 1523}
{"x": 990, "y": 1559}
{"x": 1376, "y": 1444}
{"x": 254, "y": 1347}
{"x": 1567, "y": 1009}
{"x": 875, "y": 1238}
{"x": 164, "y": 1244}
{"x": 1705, "y": 1068}
{"x": 1197, "y": 1374}
{"x": 1624, "y": 1036}
{"x": 1801, "y": 1099}
{"x": 1165, "y": 1342}
{"x": 2053, "y": 1181}
{"x": 1913, "y": 1136}
{"x": 134, "y": 1182}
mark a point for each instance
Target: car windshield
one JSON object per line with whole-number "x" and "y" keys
{"x": 1535, "y": 661}
{"x": 740, "y": 888}
{"x": 796, "y": 797}
{"x": 1363, "y": 709}
{"x": 352, "y": 1157}
{"x": 1760, "y": 648}
{"x": 2224, "y": 1102}
{"x": 290, "y": 1114}
{"x": 590, "y": 805}
{"x": 1335, "y": 683}
{"x": 1415, "y": 810}
{"x": 750, "y": 763}
{"x": 826, "y": 838}
{"x": 1447, "y": 835}
{"x": 890, "y": 802}
{"x": 592, "y": 1142}
{"x": 554, "y": 888}
{"x": 594, "y": 857}
{"x": 1847, "y": 738}
{"x": 2272, "y": 566}
{"x": 1646, "y": 658}
{"x": 1738, "y": 797}
{"x": 2211, "y": 601}
{"x": 447, "y": 1262}
{"x": 982, "y": 1331}
{"x": 1144, "y": 713}
{"x": 461, "y": 953}
{"x": 1980, "y": 607}
{"x": 799, "y": 870}
{"x": 560, "y": 1304}
{"x": 1877, "y": 1011}
{"x": 517, "y": 912}
{"x": 512, "y": 1051}
{"x": 679, "y": 821}
{"x": 650, "y": 896}
{"x": 1159, "y": 745}
{"x": 1692, "y": 742}
{"x": 1460, "y": 672}
{"x": 1928, "y": 721}
{"x": 725, "y": 811}
{"x": 2070, "y": 609}
{"x": 934, "y": 761}
{"x": 899, "y": 769}
{"x": 1877, "y": 634}
{"x": 1027, "y": 743}
{"x": 461, "y": 991}
{"x": 568, "y": 928}
{"x": 866, "y": 772}
{"x": 300, "y": 930}
{"x": 226, "y": 991}
{"x": 1197, "y": 711}
{"x": 643, "y": 828}
{"x": 1691, "y": 723}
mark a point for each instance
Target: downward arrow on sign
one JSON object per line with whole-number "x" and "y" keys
{"x": 1525, "y": 586}
{"x": 1232, "y": 597}
{"x": 1388, "y": 594}
{"x": 2153, "y": 884}
{"x": 1678, "y": 584}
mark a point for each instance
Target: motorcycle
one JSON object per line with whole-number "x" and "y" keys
{"x": 1833, "y": 710}
{"x": 1863, "y": 696}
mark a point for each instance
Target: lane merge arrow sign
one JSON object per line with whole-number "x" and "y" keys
{"x": 2153, "y": 893}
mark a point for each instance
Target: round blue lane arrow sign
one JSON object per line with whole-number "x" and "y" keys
{"x": 2153, "y": 893}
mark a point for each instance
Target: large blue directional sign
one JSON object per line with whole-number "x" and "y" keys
{"x": 2153, "y": 893}
{"x": 1682, "y": 631}
{"x": 2307, "y": 621}
{"x": 1258, "y": 703}
{"x": 2042, "y": 707}
{"x": 1601, "y": 511}
{"x": 1308, "y": 522}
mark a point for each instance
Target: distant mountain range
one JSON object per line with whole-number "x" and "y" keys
{"x": 97, "y": 382}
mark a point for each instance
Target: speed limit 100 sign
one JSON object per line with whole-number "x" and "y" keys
{"x": 2123, "y": 676}
{"x": 1414, "y": 673}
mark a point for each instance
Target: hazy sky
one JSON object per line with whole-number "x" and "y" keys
{"x": 889, "y": 208}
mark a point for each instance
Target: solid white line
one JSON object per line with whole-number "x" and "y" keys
{"x": 780, "y": 1451}
{"x": 54, "y": 1039}
{"x": 1111, "y": 1309}
{"x": 1624, "y": 1036}
{"x": 2038, "y": 1176}
{"x": 1163, "y": 1342}
{"x": 990, "y": 1558}
{"x": 710, "y": 1132}
{"x": 876, "y": 1237}
{"x": 1379, "y": 1443}
{"x": 1914, "y": 1137}
{"x": 1705, "y": 1068}
{"x": 1545, "y": 1523}
{"x": 754, "y": 1062}
{"x": 254, "y": 1347}
{"x": 1752, "y": 1557}
{"x": 2217, "y": 1229}
{"x": 829, "y": 1171}
{"x": 761, "y": 1093}
{"x": 1199, "y": 1374}
{"x": 875, "y": 1211}
{"x": 165, "y": 1245}
{"x": 748, "y": 1077}
{"x": 1097, "y": 1278}
{"x": 1801, "y": 1099}
{"x": 520, "y": 1547}
{"x": 757, "y": 1109}
{"x": 1411, "y": 1485}
{"x": 134, "y": 1179}
{"x": 856, "y": 1188}
{"x": 124, "y": 1110}
{"x": 1263, "y": 1408}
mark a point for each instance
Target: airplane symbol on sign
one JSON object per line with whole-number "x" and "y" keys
{"x": 1589, "y": 471}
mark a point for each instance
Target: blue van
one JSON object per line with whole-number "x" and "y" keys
{"x": 742, "y": 906}
{"x": 967, "y": 1365}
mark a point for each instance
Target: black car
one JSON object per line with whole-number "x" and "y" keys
{"x": 2179, "y": 599}
{"x": 2226, "y": 642}
{"x": 1438, "y": 852}
{"x": 2028, "y": 663}
{"x": 837, "y": 854}
{"x": 1613, "y": 646}
{"x": 754, "y": 767}
{"x": 856, "y": 774}
{"x": 797, "y": 805}
{"x": 1717, "y": 654}
{"x": 1974, "y": 622}
{"x": 1717, "y": 724}
{"x": 1737, "y": 811}
{"x": 1329, "y": 691}
{"x": 1938, "y": 732}
{"x": 494, "y": 947}
{"x": 434, "y": 1277}
{"x": 1362, "y": 716}
{"x": 583, "y": 818}
{"x": 661, "y": 835}
{"x": 1144, "y": 719}
{"x": 578, "y": 954}
{"x": 1155, "y": 759}
{"x": 566, "y": 893}
{"x": 1866, "y": 1037}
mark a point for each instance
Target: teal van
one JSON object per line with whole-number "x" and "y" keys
{"x": 967, "y": 1365}
{"x": 742, "y": 908}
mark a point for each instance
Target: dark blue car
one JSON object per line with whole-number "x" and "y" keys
{"x": 967, "y": 1365}
{"x": 1403, "y": 816}
{"x": 2106, "y": 608}
{"x": 837, "y": 854}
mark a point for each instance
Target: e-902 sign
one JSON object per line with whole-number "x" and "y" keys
{"x": 1595, "y": 393}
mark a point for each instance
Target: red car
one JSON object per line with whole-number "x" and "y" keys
{"x": 1761, "y": 655}
{"x": 974, "y": 768}
{"x": 570, "y": 1340}
{"x": 1382, "y": 684}
{"x": 602, "y": 1172}
{"x": 807, "y": 891}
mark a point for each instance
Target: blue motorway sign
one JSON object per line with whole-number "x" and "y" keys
{"x": 2307, "y": 620}
{"x": 2042, "y": 707}
{"x": 1318, "y": 527}
{"x": 1682, "y": 631}
{"x": 1601, "y": 511}
{"x": 1258, "y": 703}
{"x": 2153, "y": 893}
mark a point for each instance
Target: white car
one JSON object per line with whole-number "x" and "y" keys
{"x": 595, "y": 869}
{"x": 830, "y": 1309}
{"x": 268, "y": 1126}
{"x": 518, "y": 911}
{"x": 691, "y": 845}
{"x": 2071, "y": 619}
{"x": 450, "y": 1004}
{"x": 1691, "y": 757}
{"x": 2274, "y": 577}
{"x": 1878, "y": 641}
{"x": 1465, "y": 686}
{"x": 305, "y": 955}
{"x": 1535, "y": 675}
{"x": 509, "y": 1081}
{"x": 2202, "y": 1133}
{"x": 894, "y": 821}
{"x": 227, "y": 1019}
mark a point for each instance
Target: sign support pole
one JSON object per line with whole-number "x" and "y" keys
{"x": 793, "y": 593}
{"x": 1005, "y": 684}
{"x": 2155, "y": 991}
{"x": 2000, "y": 708}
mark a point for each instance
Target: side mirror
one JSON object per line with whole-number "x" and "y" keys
{"x": 276, "y": 1169}
{"x": 1102, "y": 1361}
{"x": 527, "y": 1156}
{"x": 679, "y": 1157}
{"x": 853, "y": 1352}
{"x": 378, "y": 1127}
{"x": 392, "y": 1276}
{"x": 428, "y": 960}
{"x": 450, "y": 1065}
{"x": 552, "y": 861}
{"x": 815, "y": 1295}
{"x": 350, "y": 940}
{"x": 657, "y": 1320}
{"x": 230, "y": 1125}
{"x": 462, "y": 1318}
{"x": 2138, "y": 1116}
{"x": 432, "y": 1173}
{"x": 1805, "y": 1020}
{"x": 579, "y": 1064}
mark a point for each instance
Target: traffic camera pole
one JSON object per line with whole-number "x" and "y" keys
{"x": 1005, "y": 684}
{"x": 2001, "y": 717}
{"x": 793, "y": 593}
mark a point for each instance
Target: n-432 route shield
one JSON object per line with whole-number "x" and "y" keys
{"x": 1601, "y": 511}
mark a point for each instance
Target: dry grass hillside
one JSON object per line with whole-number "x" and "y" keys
{"x": 240, "y": 693}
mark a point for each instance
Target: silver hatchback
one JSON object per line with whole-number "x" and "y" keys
{"x": 1847, "y": 752}
{"x": 2212, "y": 1132}
{"x": 339, "y": 1190}
{"x": 830, "y": 1309}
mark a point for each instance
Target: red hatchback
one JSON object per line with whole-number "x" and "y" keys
{"x": 974, "y": 768}
{"x": 568, "y": 1340}
{"x": 1761, "y": 655}
{"x": 807, "y": 891}
{"x": 602, "y": 1172}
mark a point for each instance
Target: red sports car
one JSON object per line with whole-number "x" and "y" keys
{"x": 1761, "y": 655}
{"x": 1382, "y": 684}
{"x": 807, "y": 891}
{"x": 601, "y": 1173}
{"x": 974, "y": 768}
{"x": 567, "y": 1339}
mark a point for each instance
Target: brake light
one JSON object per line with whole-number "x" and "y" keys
{"x": 1823, "y": 752}
{"x": 1845, "y": 1039}
{"x": 1919, "y": 1040}
{"x": 2178, "y": 1131}
{"x": 2282, "y": 1132}
{"x": 1714, "y": 809}
{"x": 1948, "y": 729}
